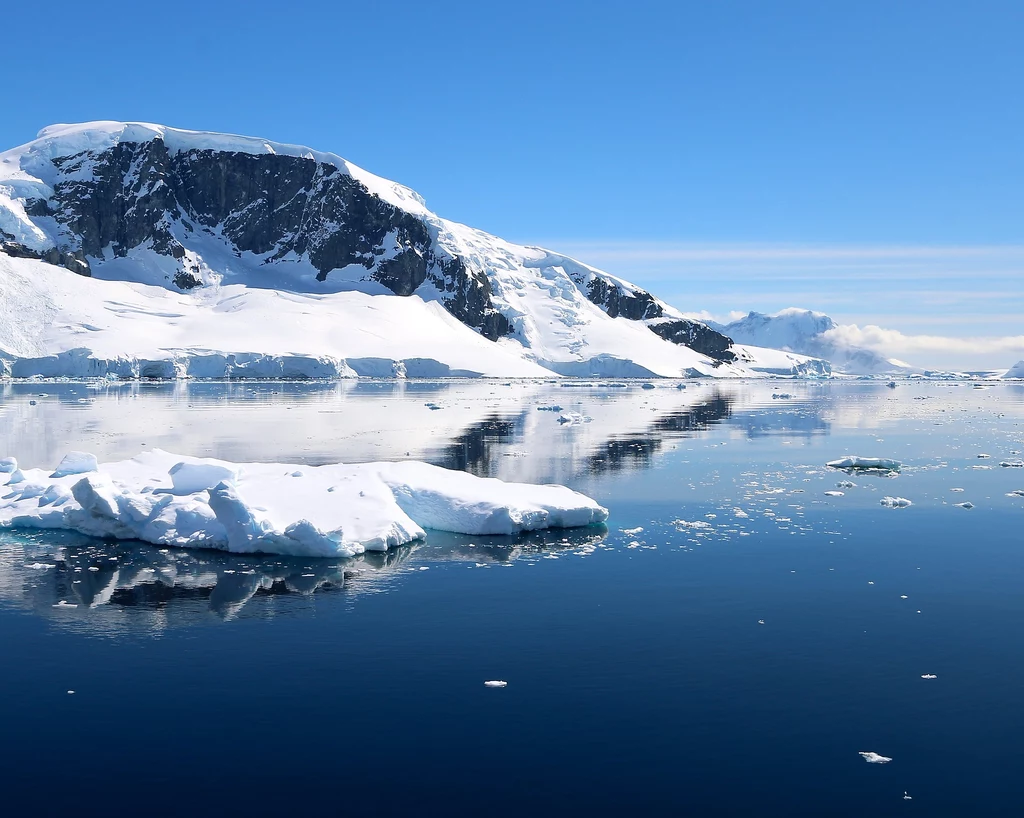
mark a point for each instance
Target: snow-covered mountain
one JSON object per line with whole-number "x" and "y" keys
{"x": 137, "y": 249}
{"x": 809, "y": 333}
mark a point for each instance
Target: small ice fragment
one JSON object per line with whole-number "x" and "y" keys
{"x": 71, "y": 692}
{"x": 895, "y": 502}
{"x": 865, "y": 463}
{"x": 956, "y": 490}
{"x": 1012, "y": 464}
{"x": 964, "y": 505}
{"x": 65, "y": 604}
{"x": 495, "y": 683}
{"x": 907, "y": 797}
{"x": 553, "y": 408}
{"x": 573, "y": 419}
{"x": 632, "y": 531}
{"x": 424, "y": 568}
{"x": 984, "y": 456}
{"x": 903, "y": 596}
{"x": 760, "y": 621}
{"x": 1016, "y": 493}
{"x": 875, "y": 758}
{"x": 833, "y": 494}
{"x": 870, "y": 582}
{"x": 76, "y": 463}
{"x": 8, "y": 465}
{"x": 845, "y": 484}
{"x": 929, "y": 676}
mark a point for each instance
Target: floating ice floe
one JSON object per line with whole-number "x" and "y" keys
{"x": 855, "y": 463}
{"x": 967, "y": 505}
{"x": 929, "y": 676}
{"x": 895, "y": 502}
{"x": 845, "y": 484}
{"x": 1016, "y": 493}
{"x": 1012, "y": 464}
{"x": 834, "y": 494}
{"x": 332, "y": 510}
{"x": 496, "y": 683}
{"x": 573, "y": 419}
{"x": 875, "y": 758}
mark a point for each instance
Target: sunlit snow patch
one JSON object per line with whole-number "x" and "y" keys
{"x": 332, "y": 510}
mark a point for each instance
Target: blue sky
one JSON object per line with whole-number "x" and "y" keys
{"x": 863, "y": 158}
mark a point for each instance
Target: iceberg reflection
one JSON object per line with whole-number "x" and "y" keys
{"x": 115, "y": 587}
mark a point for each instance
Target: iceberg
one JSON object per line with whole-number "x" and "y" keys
{"x": 875, "y": 758}
{"x": 895, "y": 502}
{"x": 855, "y": 463}
{"x": 336, "y": 510}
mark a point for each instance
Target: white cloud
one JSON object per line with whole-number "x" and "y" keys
{"x": 938, "y": 351}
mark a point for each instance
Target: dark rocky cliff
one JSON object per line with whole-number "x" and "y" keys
{"x": 140, "y": 194}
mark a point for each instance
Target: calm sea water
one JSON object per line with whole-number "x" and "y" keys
{"x": 728, "y": 645}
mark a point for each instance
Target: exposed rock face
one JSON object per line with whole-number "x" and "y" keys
{"x": 695, "y": 335}
{"x": 139, "y": 194}
{"x": 615, "y": 300}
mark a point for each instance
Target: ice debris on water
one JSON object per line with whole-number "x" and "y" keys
{"x": 553, "y": 408}
{"x": 1012, "y": 464}
{"x": 857, "y": 463}
{"x": 1016, "y": 493}
{"x": 907, "y": 797}
{"x": 495, "y": 683}
{"x": 967, "y": 505}
{"x": 632, "y": 531}
{"x": 834, "y": 494}
{"x": 845, "y": 484}
{"x": 781, "y": 396}
{"x": 929, "y": 676}
{"x": 573, "y": 419}
{"x": 895, "y": 502}
{"x": 875, "y": 758}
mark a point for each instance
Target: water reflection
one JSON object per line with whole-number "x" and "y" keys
{"x": 636, "y": 450}
{"x": 111, "y": 587}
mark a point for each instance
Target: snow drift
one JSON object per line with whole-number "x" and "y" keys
{"x": 332, "y": 510}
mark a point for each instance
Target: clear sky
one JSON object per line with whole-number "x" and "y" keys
{"x": 863, "y": 158}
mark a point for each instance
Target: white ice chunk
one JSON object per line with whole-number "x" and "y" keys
{"x": 333, "y": 510}
{"x": 833, "y": 494}
{"x": 865, "y": 463}
{"x": 967, "y": 505}
{"x": 875, "y": 758}
{"x": 496, "y": 683}
{"x": 929, "y": 676}
{"x": 76, "y": 463}
{"x": 8, "y": 465}
{"x": 895, "y": 502}
{"x": 1012, "y": 464}
{"x": 188, "y": 478}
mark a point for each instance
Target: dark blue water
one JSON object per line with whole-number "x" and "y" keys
{"x": 640, "y": 679}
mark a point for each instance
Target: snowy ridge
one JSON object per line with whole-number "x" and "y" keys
{"x": 813, "y": 334}
{"x": 212, "y": 222}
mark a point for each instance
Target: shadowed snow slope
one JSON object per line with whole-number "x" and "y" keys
{"x": 211, "y": 255}
{"x": 333, "y": 510}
